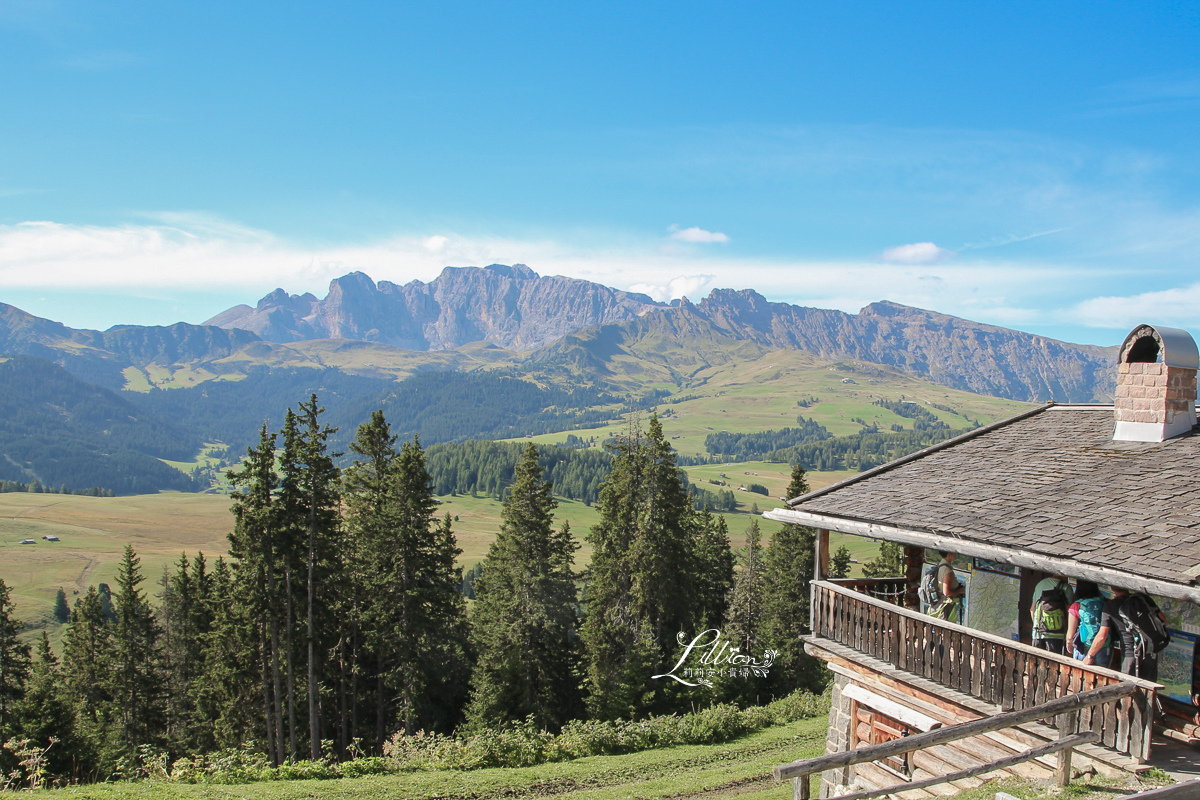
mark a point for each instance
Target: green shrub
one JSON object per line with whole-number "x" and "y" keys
{"x": 522, "y": 744}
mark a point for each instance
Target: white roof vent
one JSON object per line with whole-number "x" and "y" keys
{"x": 1156, "y": 385}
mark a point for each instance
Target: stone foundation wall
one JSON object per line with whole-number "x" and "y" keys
{"x": 837, "y": 737}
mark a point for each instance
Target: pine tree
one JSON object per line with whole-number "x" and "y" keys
{"x": 88, "y": 674}
{"x": 743, "y": 625}
{"x": 889, "y": 563}
{"x": 839, "y": 564}
{"x": 319, "y": 487}
{"x": 14, "y": 664}
{"x": 137, "y": 678}
{"x": 412, "y": 611}
{"x": 714, "y": 562}
{"x": 370, "y": 491}
{"x": 524, "y": 617}
{"x": 225, "y": 690}
{"x": 46, "y": 714}
{"x": 642, "y": 583}
{"x": 745, "y": 619}
{"x": 257, "y": 570}
{"x": 62, "y": 611}
{"x": 787, "y": 572}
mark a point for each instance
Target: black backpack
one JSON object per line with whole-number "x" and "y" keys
{"x": 1141, "y": 615}
{"x": 930, "y": 591}
{"x": 1052, "y": 612}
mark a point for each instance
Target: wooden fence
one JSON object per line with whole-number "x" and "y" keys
{"x": 1005, "y": 673}
{"x": 1065, "y": 709}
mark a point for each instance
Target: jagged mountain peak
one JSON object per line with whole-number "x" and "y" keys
{"x": 509, "y": 306}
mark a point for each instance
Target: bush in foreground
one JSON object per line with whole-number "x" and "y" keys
{"x": 519, "y": 745}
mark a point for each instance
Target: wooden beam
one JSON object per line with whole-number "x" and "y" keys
{"x": 1003, "y": 555}
{"x": 822, "y": 559}
{"x": 896, "y": 747}
{"x": 1066, "y": 728}
{"x": 890, "y": 708}
{"x": 1002, "y": 763}
{"x": 1180, "y": 791}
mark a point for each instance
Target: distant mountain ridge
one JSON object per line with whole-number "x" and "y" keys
{"x": 509, "y": 306}
{"x": 565, "y": 326}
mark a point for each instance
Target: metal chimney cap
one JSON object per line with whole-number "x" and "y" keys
{"x": 1177, "y": 347}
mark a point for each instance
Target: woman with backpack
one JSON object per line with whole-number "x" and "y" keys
{"x": 1088, "y": 626}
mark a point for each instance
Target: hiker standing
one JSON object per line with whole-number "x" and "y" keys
{"x": 1051, "y": 598}
{"x": 949, "y": 589}
{"x": 1142, "y": 628}
{"x": 1088, "y": 626}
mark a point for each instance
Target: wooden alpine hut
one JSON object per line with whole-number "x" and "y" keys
{"x": 1104, "y": 493}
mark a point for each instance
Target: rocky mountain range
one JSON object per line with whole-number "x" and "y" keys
{"x": 516, "y": 309}
{"x": 509, "y": 306}
{"x": 472, "y": 317}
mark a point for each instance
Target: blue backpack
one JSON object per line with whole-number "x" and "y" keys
{"x": 1089, "y": 619}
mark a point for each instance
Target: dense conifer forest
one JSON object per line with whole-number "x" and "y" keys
{"x": 338, "y": 624}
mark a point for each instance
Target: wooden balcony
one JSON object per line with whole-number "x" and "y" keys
{"x": 1003, "y": 673}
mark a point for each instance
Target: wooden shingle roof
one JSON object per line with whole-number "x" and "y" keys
{"x": 1050, "y": 482}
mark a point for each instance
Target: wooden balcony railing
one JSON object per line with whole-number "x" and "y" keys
{"x": 889, "y": 590}
{"x": 1005, "y": 673}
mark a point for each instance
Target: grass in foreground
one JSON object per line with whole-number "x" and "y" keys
{"x": 741, "y": 767}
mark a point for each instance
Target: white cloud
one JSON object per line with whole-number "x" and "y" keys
{"x": 192, "y": 253}
{"x": 699, "y": 236}
{"x": 682, "y": 286}
{"x": 916, "y": 253}
{"x": 1175, "y": 307}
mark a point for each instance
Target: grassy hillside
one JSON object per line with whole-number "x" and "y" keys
{"x": 761, "y": 394}
{"x": 741, "y": 768}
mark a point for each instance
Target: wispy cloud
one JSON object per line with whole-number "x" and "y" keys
{"x": 187, "y": 252}
{"x": 1012, "y": 238}
{"x": 698, "y": 236}
{"x": 1153, "y": 93}
{"x": 917, "y": 253}
{"x": 1176, "y": 307}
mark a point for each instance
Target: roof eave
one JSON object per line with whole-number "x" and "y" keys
{"x": 1003, "y": 555}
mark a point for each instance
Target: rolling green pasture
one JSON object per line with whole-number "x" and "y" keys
{"x": 93, "y": 533}
{"x": 762, "y": 394}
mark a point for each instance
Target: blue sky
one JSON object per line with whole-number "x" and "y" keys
{"x": 1032, "y": 165}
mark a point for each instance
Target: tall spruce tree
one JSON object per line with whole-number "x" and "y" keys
{"x": 228, "y": 690}
{"x": 254, "y": 546}
{"x": 320, "y": 478}
{"x": 137, "y": 675}
{"x": 14, "y": 664}
{"x": 45, "y": 713}
{"x": 413, "y": 622}
{"x": 88, "y": 671}
{"x": 523, "y": 621}
{"x": 714, "y": 563}
{"x": 370, "y": 486}
{"x": 744, "y": 621}
{"x": 641, "y": 592}
{"x": 787, "y": 571}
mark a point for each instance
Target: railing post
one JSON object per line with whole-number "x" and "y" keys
{"x": 800, "y": 788}
{"x": 1066, "y": 727}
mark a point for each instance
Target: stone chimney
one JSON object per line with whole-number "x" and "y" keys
{"x": 1156, "y": 385}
